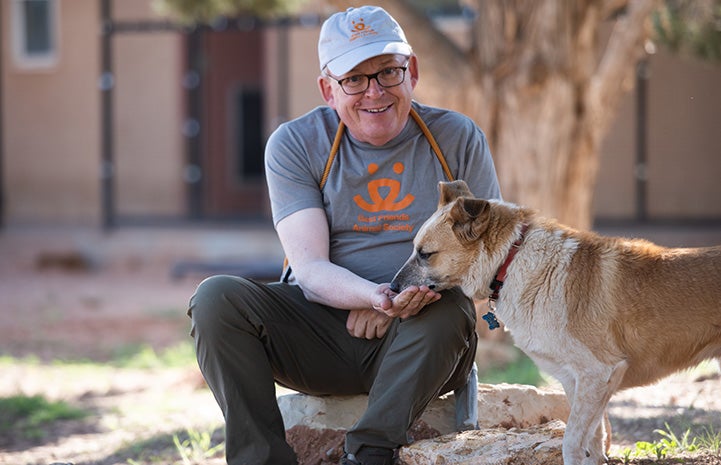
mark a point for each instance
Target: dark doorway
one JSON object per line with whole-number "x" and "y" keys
{"x": 232, "y": 119}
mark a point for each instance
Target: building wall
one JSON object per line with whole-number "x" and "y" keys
{"x": 51, "y": 124}
{"x": 148, "y": 106}
{"x": 52, "y": 117}
{"x": 148, "y": 117}
{"x": 683, "y": 150}
{"x": 614, "y": 194}
{"x": 303, "y": 90}
{"x": 684, "y": 146}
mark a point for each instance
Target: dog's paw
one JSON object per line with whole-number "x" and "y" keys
{"x": 593, "y": 459}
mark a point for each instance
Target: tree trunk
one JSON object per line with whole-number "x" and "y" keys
{"x": 539, "y": 84}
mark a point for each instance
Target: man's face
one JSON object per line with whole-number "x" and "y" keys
{"x": 379, "y": 114}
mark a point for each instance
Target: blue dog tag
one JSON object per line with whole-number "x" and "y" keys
{"x": 491, "y": 320}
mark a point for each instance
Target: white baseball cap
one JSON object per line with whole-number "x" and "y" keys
{"x": 357, "y": 34}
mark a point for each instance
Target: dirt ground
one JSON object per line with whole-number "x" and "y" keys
{"x": 73, "y": 295}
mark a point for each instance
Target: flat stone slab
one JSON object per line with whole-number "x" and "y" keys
{"x": 511, "y": 417}
{"x": 504, "y": 405}
{"x": 535, "y": 445}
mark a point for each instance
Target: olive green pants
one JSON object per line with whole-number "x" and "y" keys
{"x": 249, "y": 335}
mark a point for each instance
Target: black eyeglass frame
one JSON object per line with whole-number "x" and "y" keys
{"x": 403, "y": 68}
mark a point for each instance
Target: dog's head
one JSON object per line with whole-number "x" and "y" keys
{"x": 450, "y": 244}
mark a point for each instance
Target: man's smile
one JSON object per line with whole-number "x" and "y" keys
{"x": 377, "y": 110}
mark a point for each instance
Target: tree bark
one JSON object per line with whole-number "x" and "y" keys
{"x": 540, "y": 84}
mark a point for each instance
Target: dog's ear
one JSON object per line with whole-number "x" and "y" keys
{"x": 450, "y": 191}
{"x": 470, "y": 218}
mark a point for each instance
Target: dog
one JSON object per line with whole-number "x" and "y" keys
{"x": 598, "y": 313}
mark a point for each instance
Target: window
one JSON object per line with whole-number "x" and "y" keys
{"x": 249, "y": 142}
{"x": 35, "y": 33}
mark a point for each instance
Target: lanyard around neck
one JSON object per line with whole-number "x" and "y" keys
{"x": 426, "y": 132}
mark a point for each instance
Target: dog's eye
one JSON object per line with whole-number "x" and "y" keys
{"x": 424, "y": 255}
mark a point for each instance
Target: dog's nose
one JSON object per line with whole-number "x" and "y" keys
{"x": 395, "y": 287}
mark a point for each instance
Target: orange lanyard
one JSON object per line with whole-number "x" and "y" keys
{"x": 426, "y": 132}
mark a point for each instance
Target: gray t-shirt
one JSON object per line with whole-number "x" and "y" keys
{"x": 376, "y": 197}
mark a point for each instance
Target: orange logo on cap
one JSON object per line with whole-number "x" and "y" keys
{"x": 359, "y": 26}
{"x": 360, "y": 29}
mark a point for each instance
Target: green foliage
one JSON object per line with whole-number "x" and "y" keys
{"x": 690, "y": 26}
{"x": 140, "y": 356}
{"x": 32, "y": 360}
{"x": 156, "y": 450}
{"x": 651, "y": 449}
{"x": 521, "y": 371}
{"x": 710, "y": 440}
{"x": 204, "y": 11}
{"x": 626, "y": 455}
{"x": 144, "y": 356}
{"x": 197, "y": 448}
{"x": 671, "y": 444}
{"x": 28, "y": 415}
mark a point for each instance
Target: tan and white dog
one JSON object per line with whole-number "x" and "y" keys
{"x": 598, "y": 313}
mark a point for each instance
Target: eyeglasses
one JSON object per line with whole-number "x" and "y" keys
{"x": 387, "y": 77}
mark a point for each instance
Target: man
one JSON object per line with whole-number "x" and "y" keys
{"x": 349, "y": 184}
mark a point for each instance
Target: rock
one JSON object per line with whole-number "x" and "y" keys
{"x": 316, "y": 426}
{"x": 520, "y": 406}
{"x": 316, "y": 446}
{"x": 536, "y": 445}
{"x": 505, "y": 405}
{"x": 331, "y": 412}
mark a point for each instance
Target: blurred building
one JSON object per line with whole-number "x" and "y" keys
{"x": 113, "y": 115}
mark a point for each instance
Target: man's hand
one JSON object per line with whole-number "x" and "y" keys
{"x": 371, "y": 324}
{"x": 368, "y": 324}
{"x": 408, "y": 303}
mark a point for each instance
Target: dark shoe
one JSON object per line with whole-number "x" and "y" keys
{"x": 370, "y": 456}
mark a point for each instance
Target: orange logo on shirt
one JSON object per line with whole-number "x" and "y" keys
{"x": 389, "y": 202}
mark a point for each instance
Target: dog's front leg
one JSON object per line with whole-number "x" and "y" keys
{"x": 582, "y": 445}
{"x": 583, "y": 442}
{"x": 573, "y": 452}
